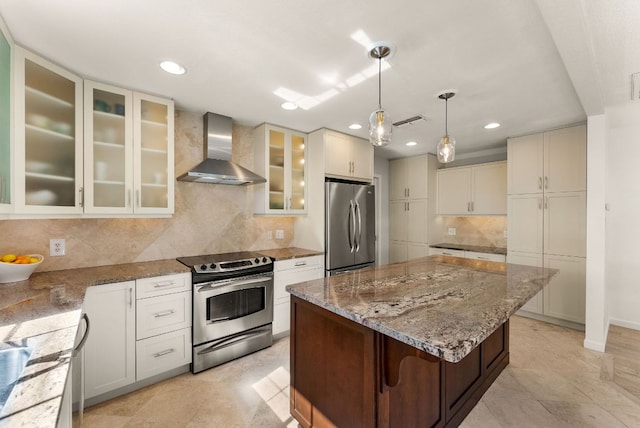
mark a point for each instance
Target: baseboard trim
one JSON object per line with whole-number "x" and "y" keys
{"x": 551, "y": 320}
{"x": 594, "y": 345}
{"x": 623, "y": 323}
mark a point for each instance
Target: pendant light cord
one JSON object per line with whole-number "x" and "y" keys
{"x": 380, "y": 83}
{"x": 446, "y": 116}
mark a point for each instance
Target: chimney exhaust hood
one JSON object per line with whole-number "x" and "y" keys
{"x": 217, "y": 167}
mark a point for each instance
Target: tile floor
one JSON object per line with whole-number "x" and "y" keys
{"x": 552, "y": 381}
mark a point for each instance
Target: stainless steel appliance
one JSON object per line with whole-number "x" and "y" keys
{"x": 349, "y": 226}
{"x": 232, "y": 306}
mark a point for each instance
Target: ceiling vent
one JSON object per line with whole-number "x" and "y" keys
{"x": 635, "y": 87}
{"x": 410, "y": 121}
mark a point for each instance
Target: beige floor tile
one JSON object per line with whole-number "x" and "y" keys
{"x": 551, "y": 381}
{"x": 582, "y": 415}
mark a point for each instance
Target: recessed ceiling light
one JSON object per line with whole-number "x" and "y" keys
{"x": 491, "y": 125}
{"x": 355, "y": 126}
{"x": 172, "y": 67}
{"x": 288, "y": 105}
{"x": 411, "y": 143}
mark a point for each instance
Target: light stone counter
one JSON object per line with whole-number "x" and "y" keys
{"x": 443, "y": 305}
{"x": 289, "y": 253}
{"x": 44, "y": 313}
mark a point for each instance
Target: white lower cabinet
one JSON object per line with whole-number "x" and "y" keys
{"x": 491, "y": 257}
{"x": 286, "y": 272}
{"x": 109, "y": 353}
{"x": 162, "y": 353}
{"x": 138, "y": 329}
{"x": 565, "y": 296}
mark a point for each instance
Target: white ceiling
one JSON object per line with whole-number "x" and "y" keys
{"x": 498, "y": 54}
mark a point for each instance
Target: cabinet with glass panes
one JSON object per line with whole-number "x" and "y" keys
{"x": 129, "y": 151}
{"x": 280, "y": 156}
{"x": 48, "y": 137}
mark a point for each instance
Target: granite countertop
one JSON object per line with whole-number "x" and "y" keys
{"x": 43, "y": 313}
{"x": 443, "y": 305}
{"x": 289, "y": 253}
{"x": 477, "y": 248}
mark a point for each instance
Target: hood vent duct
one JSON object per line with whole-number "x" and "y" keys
{"x": 217, "y": 167}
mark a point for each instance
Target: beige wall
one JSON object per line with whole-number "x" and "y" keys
{"x": 486, "y": 231}
{"x": 209, "y": 218}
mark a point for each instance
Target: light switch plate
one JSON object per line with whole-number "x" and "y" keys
{"x": 452, "y": 231}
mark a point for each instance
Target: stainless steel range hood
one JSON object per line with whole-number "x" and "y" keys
{"x": 217, "y": 167}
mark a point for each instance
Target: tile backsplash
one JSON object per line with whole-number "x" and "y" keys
{"x": 208, "y": 218}
{"x": 485, "y": 231}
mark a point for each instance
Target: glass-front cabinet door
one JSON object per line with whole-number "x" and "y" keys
{"x": 280, "y": 156}
{"x": 153, "y": 154}
{"x": 6, "y": 45}
{"x": 297, "y": 172}
{"x": 108, "y": 149}
{"x": 48, "y": 134}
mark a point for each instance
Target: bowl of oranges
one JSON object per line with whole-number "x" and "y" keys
{"x": 18, "y": 267}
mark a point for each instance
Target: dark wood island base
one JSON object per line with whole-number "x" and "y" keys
{"x": 344, "y": 374}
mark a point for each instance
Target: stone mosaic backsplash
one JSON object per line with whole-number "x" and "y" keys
{"x": 208, "y": 218}
{"x": 483, "y": 231}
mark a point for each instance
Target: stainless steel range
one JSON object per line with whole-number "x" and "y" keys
{"x": 232, "y": 306}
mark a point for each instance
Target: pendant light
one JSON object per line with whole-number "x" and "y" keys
{"x": 447, "y": 145}
{"x": 379, "y": 121}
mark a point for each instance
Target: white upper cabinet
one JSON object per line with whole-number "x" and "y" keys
{"x": 6, "y": 48}
{"x": 153, "y": 154}
{"x": 408, "y": 178}
{"x": 473, "y": 190}
{"x": 280, "y": 155}
{"x": 108, "y": 149}
{"x": 128, "y": 151}
{"x": 565, "y": 160}
{"x": 48, "y": 136}
{"x": 348, "y": 157}
{"x": 553, "y": 161}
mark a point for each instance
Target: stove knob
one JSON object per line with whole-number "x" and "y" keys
{"x": 257, "y": 260}
{"x": 264, "y": 260}
{"x": 203, "y": 267}
{"x": 212, "y": 265}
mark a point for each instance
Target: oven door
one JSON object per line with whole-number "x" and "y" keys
{"x": 222, "y": 308}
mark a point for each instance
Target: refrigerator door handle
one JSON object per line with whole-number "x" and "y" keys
{"x": 359, "y": 227}
{"x": 352, "y": 226}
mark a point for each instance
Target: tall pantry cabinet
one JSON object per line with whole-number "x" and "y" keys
{"x": 547, "y": 216}
{"x": 412, "y": 183}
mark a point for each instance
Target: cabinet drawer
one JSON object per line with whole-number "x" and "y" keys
{"x": 299, "y": 263}
{"x": 160, "y": 285}
{"x": 159, "y": 354}
{"x": 162, "y": 314}
{"x": 485, "y": 256}
{"x": 445, "y": 252}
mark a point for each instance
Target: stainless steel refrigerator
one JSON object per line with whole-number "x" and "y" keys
{"x": 350, "y": 239}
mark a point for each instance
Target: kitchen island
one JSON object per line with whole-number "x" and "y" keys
{"x": 408, "y": 344}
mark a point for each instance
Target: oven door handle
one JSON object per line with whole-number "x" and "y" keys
{"x": 216, "y": 285}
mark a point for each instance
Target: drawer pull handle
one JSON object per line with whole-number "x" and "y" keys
{"x": 164, "y": 314}
{"x": 165, "y": 352}
{"x": 301, "y": 264}
{"x": 483, "y": 258}
{"x": 447, "y": 254}
{"x": 163, "y": 284}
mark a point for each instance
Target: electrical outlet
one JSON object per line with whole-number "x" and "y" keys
{"x": 452, "y": 231}
{"x": 279, "y": 234}
{"x": 505, "y": 233}
{"x": 57, "y": 247}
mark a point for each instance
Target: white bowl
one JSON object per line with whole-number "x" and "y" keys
{"x": 10, "y": 272}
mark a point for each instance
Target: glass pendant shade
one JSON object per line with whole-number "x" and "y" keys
{"x": 379, "y": 128}
{"x": 446, "y": 149}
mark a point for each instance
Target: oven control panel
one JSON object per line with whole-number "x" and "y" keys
{"x": 232, "y": 266}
